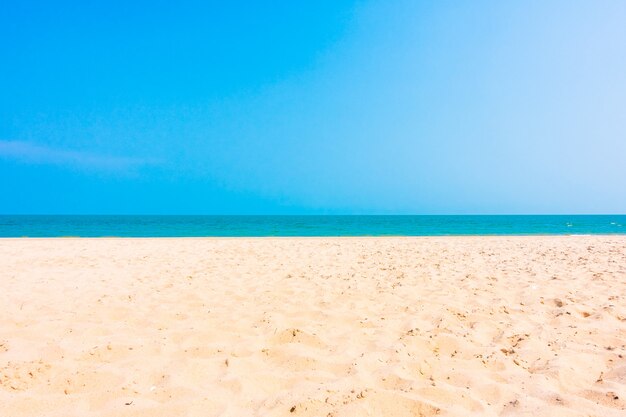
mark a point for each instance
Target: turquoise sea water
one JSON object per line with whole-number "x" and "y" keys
{"x": 196, "y": 226}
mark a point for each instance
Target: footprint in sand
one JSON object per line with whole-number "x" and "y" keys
{"x": 297, "y": 336}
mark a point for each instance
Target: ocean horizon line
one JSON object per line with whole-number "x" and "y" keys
{"x": 314, "y": 214}
{"x": 307, "y": 225}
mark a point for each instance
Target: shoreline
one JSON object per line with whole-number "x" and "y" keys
{"x": 316, "y": 237}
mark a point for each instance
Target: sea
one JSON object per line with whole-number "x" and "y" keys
{"x": 310, "y": 225}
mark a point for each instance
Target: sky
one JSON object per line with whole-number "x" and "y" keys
{"x": 300, "y": 107}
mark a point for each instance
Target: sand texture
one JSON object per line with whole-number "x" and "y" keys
{"x": 451, "y": 326}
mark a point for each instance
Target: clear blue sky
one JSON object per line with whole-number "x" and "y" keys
{"x": 313, "y": 107}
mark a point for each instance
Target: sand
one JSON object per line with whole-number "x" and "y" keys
{"x": 450, "y": 326}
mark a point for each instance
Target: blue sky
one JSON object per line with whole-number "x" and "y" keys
{"x": 365, "y": 107}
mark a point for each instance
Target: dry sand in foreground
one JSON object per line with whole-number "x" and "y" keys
{"x": 452, "y": 326}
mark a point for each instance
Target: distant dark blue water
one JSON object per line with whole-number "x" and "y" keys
{"x": 196, "y": 226}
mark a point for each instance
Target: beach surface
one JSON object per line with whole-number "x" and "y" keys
{"x": 399, "y": 326}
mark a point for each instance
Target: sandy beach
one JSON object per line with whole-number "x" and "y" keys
{"x": 450, "y": 326}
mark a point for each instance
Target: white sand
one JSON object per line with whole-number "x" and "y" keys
{"x": 455, "y": 326}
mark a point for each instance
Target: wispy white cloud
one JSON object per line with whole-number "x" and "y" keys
{"x": 29, "y": 152}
